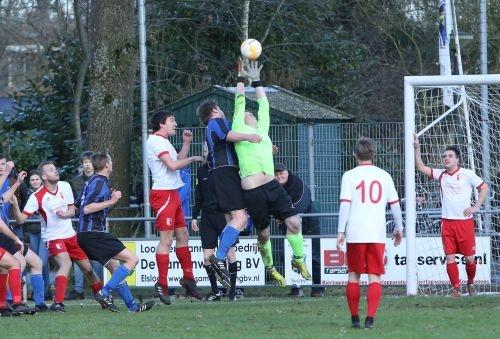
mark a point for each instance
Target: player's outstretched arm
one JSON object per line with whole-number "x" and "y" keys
{"x": 99, "y": 206}
{"x": 175, "y": 165}
{"x": 418, "y": 158}
{"x": 239, "y": 100}
{"x": 233, "y": 136}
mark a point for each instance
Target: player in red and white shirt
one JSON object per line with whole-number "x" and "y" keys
{"x": 365, "y": 193}
{"x": 457, "y": 223}
{"x": 54, "y": 202}
{"x": 164, "y": 164}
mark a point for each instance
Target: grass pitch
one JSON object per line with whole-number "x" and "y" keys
{"x": 269, "y": 317}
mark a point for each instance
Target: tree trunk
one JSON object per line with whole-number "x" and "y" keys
{"x": 112, "y": 92}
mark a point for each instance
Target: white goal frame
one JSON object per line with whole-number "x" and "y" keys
{"x": 410, "y": 83}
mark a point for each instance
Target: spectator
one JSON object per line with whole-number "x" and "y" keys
{"x": 301, "y": 198}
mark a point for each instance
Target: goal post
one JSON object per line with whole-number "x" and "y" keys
{"x": 473, "y": 124}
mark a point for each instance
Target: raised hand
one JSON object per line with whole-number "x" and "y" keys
{"x": 252, "y": 69}
{"x": 115, "y": 196}
{"x": 187, "y": 136}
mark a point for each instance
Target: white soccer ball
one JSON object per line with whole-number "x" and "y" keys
{"x": 251, "y": 49}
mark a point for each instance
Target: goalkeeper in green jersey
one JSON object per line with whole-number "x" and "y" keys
{"x": 262, "y": 194}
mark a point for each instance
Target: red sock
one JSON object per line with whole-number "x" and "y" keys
{"x": 452, "y": 270}
{"x": 61, "y": 284}
{"x": 373, "y": 296}
{"x": 471, "y": 272}
{"x": 162, "y": 264}
{"x": 15, "y": 285}
{"x": 352, "y": 294}
{"x": 96, "y": 287}
{"x": 3, "y": 289}
{"x": 184, "y": 257}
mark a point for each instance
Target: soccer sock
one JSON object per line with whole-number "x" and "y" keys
{"x": 352, "y": 294}
{"x": 162, "y": 260}
{"x": 118, "y": 276}
{"x": 61, "y": 285}
{"x": 266, "y": 252}
{"x": 38, "y": 288}
{"x": 3, "y": 289}
{"x": 471, "y": 272}
{"x": 233, "y": 272}
{"x": 96, "y": 287}
{"x": 184, "y": 257}
{"x": 212, "y": 278}
{"x": 228, "y": 238}
{"x": 15, "y": 285}
{"x": 127, "y": 297}
{"x": 452, "y": 270}
{"x": 297, "y": 243}
{"x": 373, "y": 296}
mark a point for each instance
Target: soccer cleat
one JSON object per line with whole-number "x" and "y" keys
{"x": 221, "y": 271}
{"x": 191, "y": 289}
{"x": 276, "y": 276}
{"x": 162, "y": 293}
{"x": 57, "y": 307}
{"x": 41, "y": 307}
{"x": 106, "y": 301}
{"x": 355, "y": 321}
{"x": 75, "y": 295}
{"x": 22, "y": 309}
{"x": 369, "y": 323}
{"x": 300, "y": 265}
{"x": 455, "y": 293}
{"x": 5, "y": 312}
{"x": 471, "y": 289}
{"x": 143, "y": 307}
{"x": 214, "y": 296}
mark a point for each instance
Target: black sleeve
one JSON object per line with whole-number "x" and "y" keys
{"x": 198, "y": 195}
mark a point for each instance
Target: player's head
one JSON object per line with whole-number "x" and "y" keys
{"x": 365, "y": 150}
{"x": 250, "y": 119}
{"x": 86, "y": 160}
{"x": 102, "y": 163}
{"x": 34, "y": 179}
{"x": 3, "y": 163}
{"x": 48, "y": 172}
{"x": 281, "y": 173}
{"x": 209, "y": 110}
{"x": 451, "y": 157}
{"x": 163, "y": 121}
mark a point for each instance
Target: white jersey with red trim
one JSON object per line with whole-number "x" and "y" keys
{"x": 456, "y": 191}
{"x": 368, "y": 189}
{"x": 163, "y": 178}
{"x": 47, "y": 204}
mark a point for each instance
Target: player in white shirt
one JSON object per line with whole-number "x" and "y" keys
{"x": 457, "y": 223}
{"x": 365, "y": 193}
{"x": 55, "y": 203}
{"x": 164, "y": 164}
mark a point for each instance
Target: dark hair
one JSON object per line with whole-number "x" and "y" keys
{"x": 160, "y": 118}
{"x": 365, "y": 149}
{"x": 3, "y": 156}
{"x": 86, "y": 155}
{"x": 42, "y": 165}
{"x": 99, "y": 160}
{"x": 454, "y": 149}
{"x": 33, "y": 172}
{"x": 204, "y": 111}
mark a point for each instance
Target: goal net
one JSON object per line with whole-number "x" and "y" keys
{"x": 471, "y": 122}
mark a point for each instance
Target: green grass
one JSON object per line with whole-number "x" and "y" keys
{"x": 272, "y": 317}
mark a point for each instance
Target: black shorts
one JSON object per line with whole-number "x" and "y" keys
{"x": 10, "y": 245}
{"x": 225, "y": 184}
{"x": 99, "y": 246}
{"x": 211, "y": 227}
{"x": 268, "y": 199}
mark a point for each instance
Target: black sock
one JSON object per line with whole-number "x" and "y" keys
{"x": 233, "y": 272}
{"x": 212, "y": 278}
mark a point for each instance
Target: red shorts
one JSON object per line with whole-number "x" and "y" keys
{"x": 366, "y": 258}
{"x": 69, "y": 245}
{"x": 168, "y": 209}
{"x": 458, "y": 236}
{"x": 2, "y": 252}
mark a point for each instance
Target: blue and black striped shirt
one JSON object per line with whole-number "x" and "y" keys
{"x": 220, "y": 152}
{"x": 96, "y": 189}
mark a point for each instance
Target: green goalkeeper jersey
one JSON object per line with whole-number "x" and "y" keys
{"x": 253, "y": 158}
